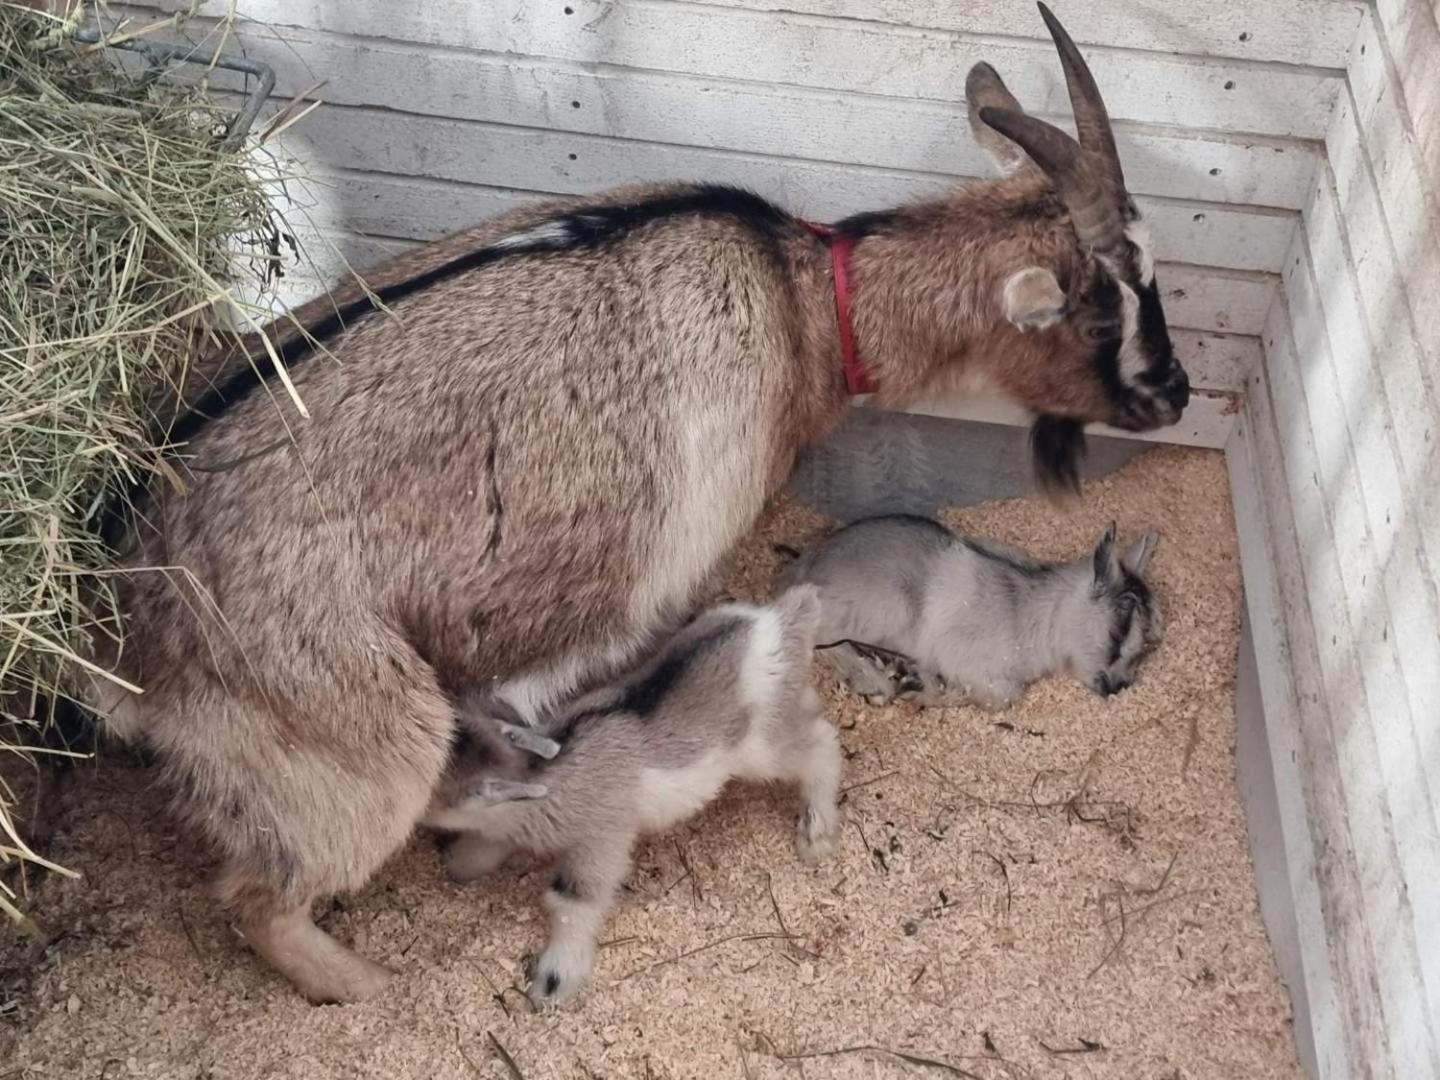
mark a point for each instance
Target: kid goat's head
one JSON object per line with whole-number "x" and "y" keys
{"x": 1066, "y": 259}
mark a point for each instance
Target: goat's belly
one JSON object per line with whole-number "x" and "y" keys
{"x": 670, "y": 796}
{"x": 873, "y": 622}
{"x": 716, "y": 487}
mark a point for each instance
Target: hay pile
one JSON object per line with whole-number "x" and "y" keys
{"x": 121, "y": 216}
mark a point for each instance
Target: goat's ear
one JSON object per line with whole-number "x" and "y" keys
{"x": 1107, "y": 566}
{"x": 1033, "y": 299}
{"x": 532, "y": 742}
{"x": 1138, "y": 555}
{"x": 1057, "y": 445}
{"x": 984, "y": 88}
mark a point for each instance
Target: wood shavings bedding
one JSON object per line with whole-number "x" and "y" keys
{"x": 1060, "y": 890}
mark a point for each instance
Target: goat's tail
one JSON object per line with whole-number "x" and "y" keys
{"x": 799, "y": 610}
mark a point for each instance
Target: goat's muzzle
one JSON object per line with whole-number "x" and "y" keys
{"x": 1160, "y": 407}
{"x": 1174, "y": 396}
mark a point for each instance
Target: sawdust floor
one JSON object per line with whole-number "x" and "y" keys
{"x": 1061, "y": 891}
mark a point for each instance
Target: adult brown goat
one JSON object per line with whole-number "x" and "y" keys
{"x": 578, "y": 411}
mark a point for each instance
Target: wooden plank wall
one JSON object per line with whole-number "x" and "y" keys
{"x": 1334, "y": 464}
{"x": 441, "y": 113}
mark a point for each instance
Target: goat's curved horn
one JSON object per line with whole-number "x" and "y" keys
{"x": 1049, "y": 147}
{"x": 1079, "y": 176}
{"x": 1092, "y": 122}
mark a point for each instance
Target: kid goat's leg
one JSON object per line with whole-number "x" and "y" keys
{"x": 470, "y": 856}
{"x": 877, "y": 675}
{"x": 579, "y": 898}
{"x": 817, "y": 765}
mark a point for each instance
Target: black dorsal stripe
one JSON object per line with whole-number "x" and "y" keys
{"x": 577, "y": 230}
{"x": 261, "y": 370}
{"x": 581, "y": 229}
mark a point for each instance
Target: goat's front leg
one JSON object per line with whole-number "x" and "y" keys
{"x": 579, "y": 898}
{"x": 878, "y": 675}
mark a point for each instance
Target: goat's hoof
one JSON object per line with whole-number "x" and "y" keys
{"x": 818, "y": 836}
{"x": 361, "y": 980}
{"x": 560, "y": 973}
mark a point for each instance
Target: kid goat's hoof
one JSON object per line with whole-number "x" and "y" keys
{"x": 816, "y": 840}
{"x": 559, "y": 975}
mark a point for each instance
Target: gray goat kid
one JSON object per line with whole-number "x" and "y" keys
{"x": 730, "y": 696}
{"x": 979, "y": 620}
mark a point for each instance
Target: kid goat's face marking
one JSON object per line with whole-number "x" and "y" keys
{"x": 1135, "y": 625}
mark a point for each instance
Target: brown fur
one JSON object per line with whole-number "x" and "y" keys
{"x": 168, "y": 402}
{"x": 930, "y": 317}
{"x": 513, "y": 484}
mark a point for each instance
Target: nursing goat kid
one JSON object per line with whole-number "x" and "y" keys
{"x": 542, "y": 457}
{"x": 730, "y": 696}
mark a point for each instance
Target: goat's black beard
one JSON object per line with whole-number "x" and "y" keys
{"x": 1057, "y": 444}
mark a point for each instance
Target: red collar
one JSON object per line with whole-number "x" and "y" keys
{"x": 857, "y": 378}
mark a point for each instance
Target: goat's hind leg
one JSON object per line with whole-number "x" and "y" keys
{"x": 285, "y": 934}
{"x": 299, "y": 820}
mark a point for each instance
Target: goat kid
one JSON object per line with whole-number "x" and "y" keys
{"x": 731, "y": 696}
{"x": 975, "y": 621}
{"x": 605, "y": 391}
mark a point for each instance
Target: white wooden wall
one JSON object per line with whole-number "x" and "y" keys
{"x": 440, "y": 113}
{"x": 1335, "y": 467}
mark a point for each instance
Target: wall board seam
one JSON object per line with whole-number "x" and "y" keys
{"x": 921, "y": 175}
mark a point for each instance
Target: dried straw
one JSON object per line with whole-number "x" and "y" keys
{"x": 121, "y": 218}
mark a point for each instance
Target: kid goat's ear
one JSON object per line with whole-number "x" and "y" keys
{"x": 1137, "y": 558}
{"x": 1107, "y": 567}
